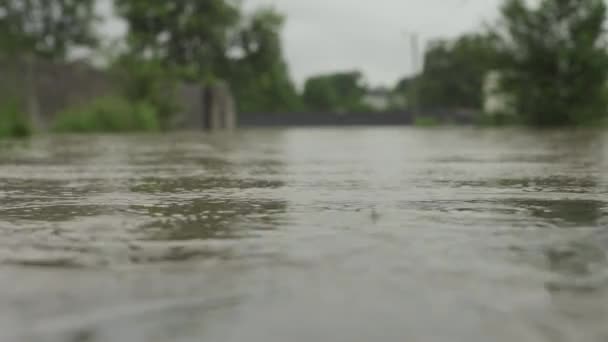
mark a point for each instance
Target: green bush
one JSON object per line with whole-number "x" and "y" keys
{"x": 497, "y": 119}
{"x": 13, "y": 121}
{"x": 426, "y": 121}
{"x": 148, "y": 81}
{"x": 108, "y": 114}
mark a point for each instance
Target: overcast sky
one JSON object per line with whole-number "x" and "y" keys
{"x": 328, "y": 35}
{"x": 368, "y": 35}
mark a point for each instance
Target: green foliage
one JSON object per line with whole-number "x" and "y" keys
{"x": 108, "y": 114}
{"x": 146, "y": 81}
{"x": 401, "y": 94}
{"x": 260, "y": 78}
{"x": 189, "y": 37}
{"x": 426, "y": 121}
{"x": 454, "y": 73}
{"x": 554, "y": 61}
{"x": 13, "y": 121}
{"x": 403, "y": 85}
{"x": 340, "y": 92}
{"x": 496, "y": 119}
{"x": 205, "y": 41}
{"x": 265, "y": 90}
{"x": 46, "y": 28}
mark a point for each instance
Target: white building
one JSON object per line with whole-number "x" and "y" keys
{"x": 381, "y": 99}
{"x": 495, "y": 100}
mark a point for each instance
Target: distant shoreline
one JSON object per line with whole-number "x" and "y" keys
{"x": 390, "y": 118}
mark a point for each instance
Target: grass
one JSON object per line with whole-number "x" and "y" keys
{"x": 14, "y": 122}
{"x": 108, "y": 115}
{"x": 426, "y": 122}
{"x": 497, "y": 119}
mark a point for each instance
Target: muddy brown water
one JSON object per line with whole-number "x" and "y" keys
{"x": 358, "y": 234}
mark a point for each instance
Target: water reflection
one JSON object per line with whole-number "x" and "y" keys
{"x": 563, "y": 213}
{"x": 342, "y": 233}
{"x": 208, "y": 218}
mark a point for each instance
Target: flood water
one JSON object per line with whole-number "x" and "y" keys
{"x": 358, "y": 234}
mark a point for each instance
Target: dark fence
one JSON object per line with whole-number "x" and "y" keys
{"x": 399, "y": 118}
{"x": 324, "y": 119}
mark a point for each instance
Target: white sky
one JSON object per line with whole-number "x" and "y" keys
{"x": 368, "y": 35}
{"x": 328, "y": 35}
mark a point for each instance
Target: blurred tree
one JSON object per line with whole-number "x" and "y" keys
{"x": 147, "y": 81}
{"x": 46, "y": 28}
{"x": 190, "y": 37}
{"x": 49, "y": 29}
{"x": 454, "y": 73}
{"x": 403, "y": 85}
{"x": 554, "y": 60}
{"x": 339, "y": 92}
{"x": 204, "y": 41}
{"x": 260, "y": 76}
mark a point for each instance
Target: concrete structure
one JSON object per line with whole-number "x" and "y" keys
{"x": 219, "y": 111}
{"x": 378, "y": 98}
{"x": 208, "y": 108}
{"x": 48, "y": 88}
{"x": 382, "y": 99}
{"x": 496, "y": 102}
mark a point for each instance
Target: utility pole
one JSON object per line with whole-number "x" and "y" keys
{"x": 416, "y": 69}
{"x": 415, "y": 87}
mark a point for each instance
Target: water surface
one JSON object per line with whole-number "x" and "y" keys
{"x": 360, "y": 234}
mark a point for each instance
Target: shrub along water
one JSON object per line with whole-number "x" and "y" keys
{"x": 425, "y": 121}
{"x": 14, "y": 122}
{"x": 108, "y": 114}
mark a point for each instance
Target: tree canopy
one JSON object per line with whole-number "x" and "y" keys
{"x": 204, "y": 41}
{"x": 554, "y": 61}
{"x": 260, "y": 76}
{"x": 189, "y": 36}
{"x": 46, "y": 28}
{"x": 338, "y": 92}
{"x": 454, "y": 72}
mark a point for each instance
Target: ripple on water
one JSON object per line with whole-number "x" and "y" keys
{"x": 357, "y": 234}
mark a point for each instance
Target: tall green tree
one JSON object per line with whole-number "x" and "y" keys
{"x": 46, "y": 28}
{"x": 554, "y": 61}
{"x": 188, "y": 36}
{"x": 454, "y": 72}
{"x": 339, "y": 92}
{"x": 209, "y": 40}
{"x": 260, "y": 76}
